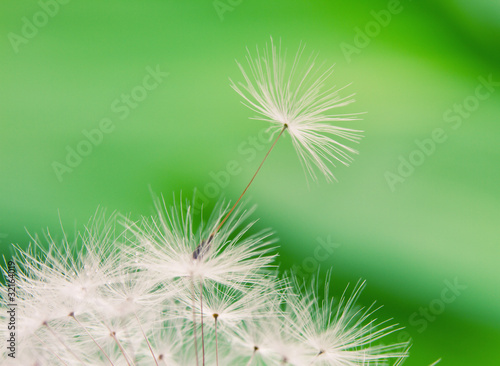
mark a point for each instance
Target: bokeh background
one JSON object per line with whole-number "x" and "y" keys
{"x": 414, "y": 74}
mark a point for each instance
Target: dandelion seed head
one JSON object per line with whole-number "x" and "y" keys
{"x": 232, "y": 258}
{"x": 140, "y": 296}
{"x": 300, "y": 98}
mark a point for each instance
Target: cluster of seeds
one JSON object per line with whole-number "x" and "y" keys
{"x": 160, "y": 293}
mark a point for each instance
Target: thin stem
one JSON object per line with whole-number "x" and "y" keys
{"x": 201, "y": 311}
{"x": 194, "y": 322}
{"x": 216, "y": 343}
{"x": 112, "y": 333}
{"x": 48, "y": 349}
{"x": 201, "y": 248}
{"x": 131, "y": 350}
{"x": 146, "y": 338}
{"x": 90, "y": 335}
{"x": 251, "y": 180}
{"x": 122, "y": 350}
{"x": 316, "y": 357}
{"x": 255, "y": 349}
{"x": 51, "y": 330}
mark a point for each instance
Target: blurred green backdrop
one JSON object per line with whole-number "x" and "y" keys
{"x": 412, "y": 230}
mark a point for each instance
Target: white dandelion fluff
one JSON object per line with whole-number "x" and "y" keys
{"x": 175, "y": 250}
{"x": 97, "y": 300}
{"x": 175, "y": 289}
{"x": 298, "y": 98}
{"x": 338, "y": 332}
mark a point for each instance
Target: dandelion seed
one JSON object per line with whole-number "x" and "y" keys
{"x": 336, "y": 331}
{"x": 297, "y": 98}
{"x": 231, "y": 258}
{"x": 231, "y": 306}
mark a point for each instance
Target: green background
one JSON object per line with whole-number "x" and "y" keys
{"x": 440, "y": 224}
